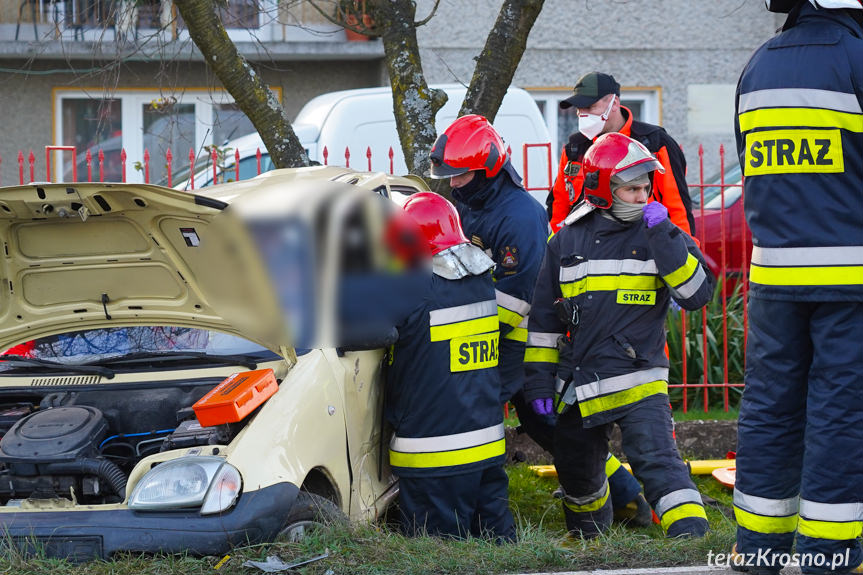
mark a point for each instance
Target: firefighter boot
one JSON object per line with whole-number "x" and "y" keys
{"x": 636, "y": 513}
{"x": 738, "y": 563}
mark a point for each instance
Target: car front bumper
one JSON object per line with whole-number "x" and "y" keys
{"x": 87, "y": 534}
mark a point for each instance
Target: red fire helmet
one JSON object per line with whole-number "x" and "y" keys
{"x": 438, "y": 220}
{"x": 470, "y": 143}
{"x": 614, "y": 154}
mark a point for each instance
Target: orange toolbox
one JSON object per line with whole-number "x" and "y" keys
{"x": 236, "y": 397}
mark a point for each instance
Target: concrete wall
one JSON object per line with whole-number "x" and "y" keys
{"x": 672, "y": 44}
{"x": 27, "y": 98}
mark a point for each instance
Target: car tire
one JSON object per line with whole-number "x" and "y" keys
{"x": 310, "y": 512}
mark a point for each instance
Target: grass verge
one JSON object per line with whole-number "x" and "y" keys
{"x": 379, "y": 550}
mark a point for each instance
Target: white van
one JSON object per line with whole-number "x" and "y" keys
{"x": 362, "y": 120}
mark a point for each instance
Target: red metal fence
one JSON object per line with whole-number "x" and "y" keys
{"x": 722, "y": 244}
{"x": 720, "y": 230}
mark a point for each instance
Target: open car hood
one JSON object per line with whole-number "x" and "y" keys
{"x": 97, "y": 255}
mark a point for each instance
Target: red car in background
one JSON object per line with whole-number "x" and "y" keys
{"x": 709, "y": 221}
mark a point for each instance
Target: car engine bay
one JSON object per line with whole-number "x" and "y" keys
{"x": 81, "y": 445}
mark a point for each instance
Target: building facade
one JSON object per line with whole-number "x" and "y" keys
{"x": 123, "y": 74}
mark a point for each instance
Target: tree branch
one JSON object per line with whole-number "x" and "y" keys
{"x": 415, "y": 105}
{"x": 248, "y": 89}
{"x": 497, "y": 62}
{"x": 425, "y": 20}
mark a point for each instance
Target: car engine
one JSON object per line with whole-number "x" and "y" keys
{"x": 81, "y": 445}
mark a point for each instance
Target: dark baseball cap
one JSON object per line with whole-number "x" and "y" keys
{"x": 590, "y": 88}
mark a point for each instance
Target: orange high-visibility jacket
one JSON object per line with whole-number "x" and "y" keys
{"x": 669, "y": 188}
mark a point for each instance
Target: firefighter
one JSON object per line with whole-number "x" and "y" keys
{"x": 799, "y": 127}
{"x": 443, "y": 390}
{"x": 502, "y": 219}
{"x": 600, "y": 301}
{"x": 596, "y": 99}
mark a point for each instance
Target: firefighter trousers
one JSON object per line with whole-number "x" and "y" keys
{"x": 800, "y": 435}
{"x": 646, "y": 429}
{"x": 474, "y": 503}
{"x": 624, "y": 487}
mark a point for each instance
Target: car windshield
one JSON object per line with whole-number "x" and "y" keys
{"x": 713, "y": 189}
{"x": 101, "y": 345}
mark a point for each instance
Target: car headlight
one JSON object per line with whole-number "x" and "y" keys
{"x": 202, "y": 481}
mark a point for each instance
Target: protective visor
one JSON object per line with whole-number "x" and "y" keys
{"x": 641, "y": 167}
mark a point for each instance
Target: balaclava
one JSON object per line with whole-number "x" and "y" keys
{"x": 626, "y": 211}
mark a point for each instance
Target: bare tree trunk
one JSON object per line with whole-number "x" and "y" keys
{"x": 250, "y": 92}
{"x": 415, "y": 105}
{"x": 496, "y": 64}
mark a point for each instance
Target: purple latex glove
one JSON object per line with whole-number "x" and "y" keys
{"x": 654, "y": 213}
{"x": 542, "y": 406}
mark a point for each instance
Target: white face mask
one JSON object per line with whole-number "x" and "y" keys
{"x": 592, "y": 125}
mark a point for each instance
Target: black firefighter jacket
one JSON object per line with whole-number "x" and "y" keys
{"x": 620, "y": 276}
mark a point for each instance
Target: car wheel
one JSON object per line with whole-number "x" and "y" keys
{"x": 310, "y": 512}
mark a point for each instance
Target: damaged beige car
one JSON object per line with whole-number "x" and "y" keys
{"x": 124, "y": 305}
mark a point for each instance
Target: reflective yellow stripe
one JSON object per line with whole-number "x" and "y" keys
{"x": 621, "y": 398}
{"x": 764, "y": 524}
{"x": 612, "y": 464}
{"x": 800, "y": 117}
{"x": 682, "y": 512}
{"x": 448, "y": 458}
{"x": 829, "y": 529}
{"x": 463, "y": 328}
{"x": 508, "y": 317}
{"x": 683, "y": 273}
{"x": 808, "y": 276}
{"x": 541, "y": 355}
{"x": 517, "y": 334}
{"x": 609, "y": 283}
{"x": 588, "y": 507}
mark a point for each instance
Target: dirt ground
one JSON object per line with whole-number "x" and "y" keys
{"x": 707, "y": 439}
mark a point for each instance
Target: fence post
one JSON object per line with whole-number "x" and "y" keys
{"x": 258, "y": 155}
{"x": 21, "y": 167}
{"x": 704, "y": 349}
{"x": 146, "y": 166}
{"x": 214, "y": 157}
{"x": 326, "y": 155}
{"x": 527, "y": 186}
{"x": 347, "y": 157}
{"x": 169, "y": 157}
{"x": 88, "y": 158}
{"x": 192, "y": 168}
{"x": 237, "y": 165}
{"x": 723, "y": 270}
{"x": 49, "y": 149}
{"x": 123, "y": 164}
{"x": 683, "y": 353}
{"x": 391, "y": 154}
{"x": 369, "y": 156}
{"x": 31, "y": 158}
{"x": 101, "y": 157}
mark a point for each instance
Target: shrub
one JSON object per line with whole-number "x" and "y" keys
{"x": 695, "y": 352}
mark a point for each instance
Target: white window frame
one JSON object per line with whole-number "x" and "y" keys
{"x": 132, "y": 120}
{"x": 649, "y": 96}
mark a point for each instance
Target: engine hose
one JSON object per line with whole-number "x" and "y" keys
{"x": 102, "y": 468}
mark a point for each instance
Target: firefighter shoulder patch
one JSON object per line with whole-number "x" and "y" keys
{"x": 508, "y": 257}
{"x": 477, "y": 241}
